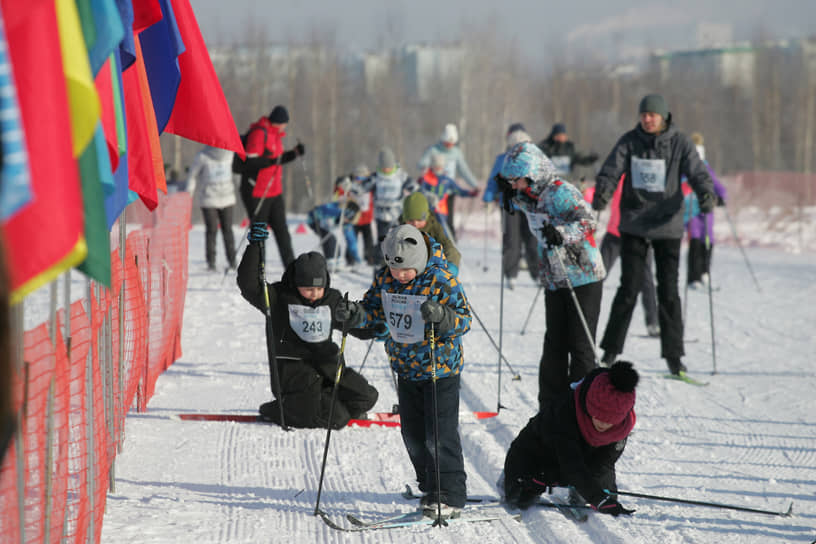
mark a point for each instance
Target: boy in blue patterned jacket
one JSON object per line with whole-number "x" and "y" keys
{"x": 412, "y": 292}
{"x": 564, "y": 224}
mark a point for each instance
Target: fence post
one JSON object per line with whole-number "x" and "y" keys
{"x": 48, "y": 460}
{"x": 19, "y": 446}
{"x": 89, "y": 422}
{"x": 122, "y": 410}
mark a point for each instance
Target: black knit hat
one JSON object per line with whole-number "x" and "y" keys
{"x": 279, "y": 115}
{"x": 310, "y": 270}
{"x": 558, "y": 128}
{"x": 514, "y": 127}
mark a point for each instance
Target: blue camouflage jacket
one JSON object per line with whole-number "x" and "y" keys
{"x": 412, "y": 361}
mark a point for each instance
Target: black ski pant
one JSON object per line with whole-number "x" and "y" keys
{"x": 699, "y": 260}
{"x": 515, "y": 238}
{"x": 531, "y": 463}
{"x": 382, "y": 229}
{"x": 271, "y": 211}
{"x": 568, "y": 354}
{"x": 212, "y": 218}
{"x": 610, "y": 251}
{"x": 634, "y": 250}
{"x": 368, "y": 241}
{"x": 306, "y": 388}
{"x": 417, "y": 425}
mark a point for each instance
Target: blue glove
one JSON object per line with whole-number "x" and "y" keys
{"x": 258, "y": 232}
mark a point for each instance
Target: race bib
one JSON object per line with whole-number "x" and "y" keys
{"x": 310, "y": 324}
{"x": 388, "y": 189}
{"x": 562, "y": 163}
{"x": 536, "y": 221}
{"x": 649, "y": 175}
{"x": 220, "y": 170}
{"x": 403, "y": 317}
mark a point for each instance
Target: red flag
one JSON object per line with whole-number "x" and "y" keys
{"x": 142, "y": 134}
{"x": 145, "y": 13}
{"x": 104, "y": 86}
{"x": 201, "y": 112}
{"x": 46, "y": 237}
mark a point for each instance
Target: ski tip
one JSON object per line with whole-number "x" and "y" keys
{"x": 789, "y": 512}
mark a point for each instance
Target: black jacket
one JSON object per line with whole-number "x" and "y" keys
{"x": 281, "y": 294}
{"x": 551, "y": 148}
{"x": 552, "y": 450}
{"x": 649, "y": 214}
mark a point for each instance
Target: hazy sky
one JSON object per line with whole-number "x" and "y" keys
{"x": 590, "y": 26}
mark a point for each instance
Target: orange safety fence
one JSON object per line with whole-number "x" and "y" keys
{"x": 72, "y": 393}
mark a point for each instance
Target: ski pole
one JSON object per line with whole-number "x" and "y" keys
{"x": 251, "y": 219}
{"x": 742, "y": 250}
{"x": 439, "y": 522}
{"x": 710, "y": 299}
{"x": 501, "y": 327}
{"x": 370, "y": 344}
{"x": 516, "y": 375}
{"x": 786, "y": 513}
{"x": 270, "y": 334}
{"x": 306, "y": 178}
{"x": 484, "y": 249}
{"x": 337, "y": 375}
{"x": 532, "y": 306}
{"x": 577, "y": 306}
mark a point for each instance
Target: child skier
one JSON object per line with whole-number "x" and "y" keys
{"x": 417, "y": 212}
{"x": 576, "y": 441}
{"x": 414, "y": 293}
{"x": 390, "y": 185}
{"x": 303, "y": 315}
{"x": 326, "y": 219}
{"x": 571, "y": 264}
{"x": 437, "y": 187}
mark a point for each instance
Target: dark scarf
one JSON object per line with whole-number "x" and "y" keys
{"x": 593, "y": 437}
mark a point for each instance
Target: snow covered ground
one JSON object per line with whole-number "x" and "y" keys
{"x": 747, "y": 439}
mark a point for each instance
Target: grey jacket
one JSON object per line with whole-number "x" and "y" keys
{"x": 651, "y": 204}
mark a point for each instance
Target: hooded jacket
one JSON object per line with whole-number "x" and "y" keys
{"x": 652, "y": 208}
{"x": 455, "y": 163}
{"x": 210, "y": 178}
{"x": 291, "y": 340}
{"x": 549, "y": 199}
{"x": 412, "y": 361}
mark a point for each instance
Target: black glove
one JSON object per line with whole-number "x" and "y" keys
{"x": 598, "y": 203}
{"x": 524, "y": 492}
{"x": 720, "y": 201}
{"x": 611, "y": 506}
{"x": 350, "y": 313}
{"x": 552, "y": 235}
{"x": 592, "y": 157}
{"x": 258, "y": 232}
{"x": 440, "y": 315}
{"x": 300, "y": 149}
{"x": 707, "y": 202}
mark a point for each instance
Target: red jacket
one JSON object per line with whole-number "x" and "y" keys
{"x": 268, "y": 183}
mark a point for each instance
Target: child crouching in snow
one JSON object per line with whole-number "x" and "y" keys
{"x": 414, "y": 291}
{"x": 303, "y": 308}
{"x": 576, "y": 441}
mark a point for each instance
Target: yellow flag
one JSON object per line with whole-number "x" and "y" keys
{"x": 83, "y": 101}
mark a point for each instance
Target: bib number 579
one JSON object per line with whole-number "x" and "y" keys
{"x": 396, "y": 320}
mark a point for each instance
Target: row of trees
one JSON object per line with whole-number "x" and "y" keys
{"x": 344, "y": 114}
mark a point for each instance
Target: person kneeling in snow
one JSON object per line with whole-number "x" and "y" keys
{"x": 303, "y": 315}
{"x": 414, "y": 292}
{"x": 576, "y": 441}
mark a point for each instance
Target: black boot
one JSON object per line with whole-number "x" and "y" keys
{"x": 676, "y": 366}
